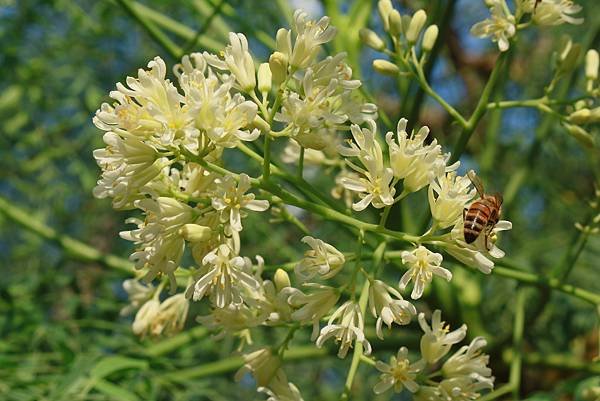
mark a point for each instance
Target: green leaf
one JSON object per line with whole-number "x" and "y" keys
{"x": 114, "y": 392}
{"x": 112, "y": 364}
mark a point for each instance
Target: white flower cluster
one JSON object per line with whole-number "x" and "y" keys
{"x": 464, "y": 374}
{"x": 418, "y": 165}
{"x": 164, "y": 151}
{"x": 318, "y": 98}
{"x": 503, "y": 25}
{"x": 165, "y": 142}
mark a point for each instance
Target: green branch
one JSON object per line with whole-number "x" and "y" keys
{"x": 74, "y": 248}
{"x": 528, "y": 278}
{"x": 518, "y": 328}
{"x": 480, "y": 109}
{"x": 159, "y": 36}
{"x": 233, "y": 363}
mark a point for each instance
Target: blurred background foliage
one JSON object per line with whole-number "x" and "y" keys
{"x": 61, "y": 335}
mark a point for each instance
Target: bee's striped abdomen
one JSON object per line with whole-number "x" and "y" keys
{"x": 476, "y": 219}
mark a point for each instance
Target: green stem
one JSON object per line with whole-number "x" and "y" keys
{"x": 519, "y": 325}
{"x": 154, "y": 32}
{"x": 557, "y": 361}
{"x": 556, "y": 284}
{"x": 479, "y": 111}
{"x": 232, "y": 363}
{"x": 301, "y": 163}
{"x": 506, "y": 104}
{"x": 177, "y": 28}
{"x": 500, "y": 391}
{"x": 358, "y": 347}
{"x": 532, "y": 279}
{"x": 385, "y": 215}
{"x": 299, "y": 183}
{"x": 420, "y": 74}
{"x": 176, "y": 342}
{"x": 267, "y": 146}
{"x": 267, "y": 158}
{"x": 74, "y": 248}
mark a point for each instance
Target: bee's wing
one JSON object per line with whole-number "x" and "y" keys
{"x": 476, "y": 182}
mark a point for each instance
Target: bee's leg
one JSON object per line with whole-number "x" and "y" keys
{"x": 465, "y": 210}
{"x": 488, "y": 230}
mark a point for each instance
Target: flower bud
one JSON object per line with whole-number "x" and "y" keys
{"x": 568, "y": 57}
{"x": 585, "y": 116}
{"x": 385, "y": 8}
{"x": 430, "y": 36}
{"x": 395, "y": 22}
{"x": 385, "y": 67}
{"x": 278, "y": 64}
{"x": 580, "y": 116}
{"x": 264, "y": 78}
{"x": 592, "y": 61}
{"x": 584, "y": 137}
{"x": 195, "y": 233}
{"x": 416, "y": 25}
{"x": 371, "y": 39}
{"x": 281, "y": 279}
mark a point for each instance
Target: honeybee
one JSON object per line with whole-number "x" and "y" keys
{"x": 483, "y": 214}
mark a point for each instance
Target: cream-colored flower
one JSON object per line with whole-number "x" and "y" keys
{"x": 501, "y": 26}
{"x": 275, "y": 302}
{"x": 150, "y": 107}
{"x": 171, "y": 315}
{"x": 237, "y": 60}
{"x": 226, "y": 278}
{"x": 374, "y": 185}
{"x": 326, "y": 156}
{"x": 387, "y": 309}
{"x": 348, "y": 330}
{"x": 477, "y": 253}
{"x": 339, "y": 191}
{"x": 262, "y": 364}
{"x": 323, "y": 103}
{"x": 438, "y": 339}
{"x": 220, "y": 115}
{"x": 470, "y": 362}
{"x": 461, "y": 389}
{"x": 313, "y": 306}
{"x": 414, "y": 161}
{"x": 221, "y": 234}
{"x": 553, "y": 12}
{"x": 400, "y": 373}
{"x": 422, "y": 266}
{"x": 137, "y": 293}
{"x": 308, "y": 38}
{"x": 193, "y": 180}
{"x": 159, "y": 240}
{"x": 233, "y": 319}
{"x": 448, "y": 195}
{"x": 280, "y": 389}
{"x": 128, "y": 164}
{"x": 230, "y": 198}
{"x": 322, "y": 259}
{"x": 145, "y": 316}
{"x": 157, "y": 318}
